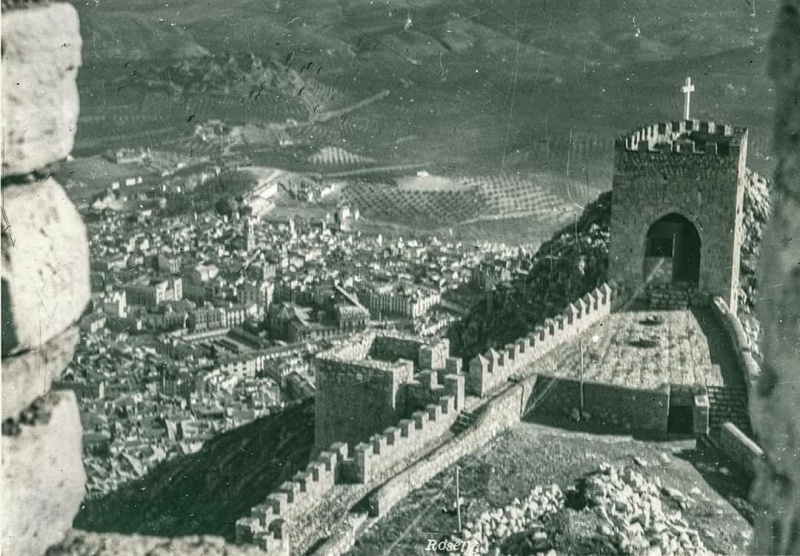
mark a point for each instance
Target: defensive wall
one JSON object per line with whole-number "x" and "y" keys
{"x": 631, "y": 408}
{"x": 494, "y": 368}
{"x": 739, "y": 343}
{"x": 369, "y": 383}
{"x": 41, "y": 56}
{"x": 740, "y": 448}
{"x": 372, "y": 397}
{"x": 692, "y": 168}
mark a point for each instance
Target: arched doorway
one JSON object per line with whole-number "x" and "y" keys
{"x": 672, "y": 252}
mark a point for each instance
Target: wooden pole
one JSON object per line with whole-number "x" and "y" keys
{"x": 580, "y": 345}
{"x": 458, "y": 497}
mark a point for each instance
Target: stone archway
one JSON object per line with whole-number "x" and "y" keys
{"x": 672, "y": 251}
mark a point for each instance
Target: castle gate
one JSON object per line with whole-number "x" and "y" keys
{"x": 672, "y": 252}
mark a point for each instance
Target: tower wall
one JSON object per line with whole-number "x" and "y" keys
{"x": 695, "y": 169}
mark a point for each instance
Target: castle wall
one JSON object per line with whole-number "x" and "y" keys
{"x": 343, "y": 537}
{"x": 499, "y": 415}
{"x": 356, "y": 398}
{"x": 739, "y": 448}
{"x": 268, "y": 523}
{"x": 703, "y": 183}
{"x": 494, "y": 368}
{"x": 632, "y": 408}
{"x": 738, "y": 341}
{"x": 391, "y": 347}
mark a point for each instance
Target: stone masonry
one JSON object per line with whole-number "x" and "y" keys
{"x": 369, "y": 383}
{"x": 690, "y": 168}
{"x": 45, "y": 277}
{"x": 45, "y": 289}
{"x": 42, "y": 475}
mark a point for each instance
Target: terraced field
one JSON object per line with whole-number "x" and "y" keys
{"x": 470, "y": 199}
{"x": 421, "y": 209}
{"x": 337, "y": 156}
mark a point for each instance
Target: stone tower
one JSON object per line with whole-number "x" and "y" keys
{"x": 676, "y": 217}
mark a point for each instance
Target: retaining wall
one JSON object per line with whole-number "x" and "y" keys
{"x": 493, "y": 368}
{"x": 739, "y": 342}
{"x": 343, "y": 537}
{"x": 630, "y": 408}
{"x": 739, "y": 448}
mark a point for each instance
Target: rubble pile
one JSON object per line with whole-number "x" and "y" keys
{"x": 520, "y": 521}
{"x": 632, "y": 514}
{"x": 634, "y": 520}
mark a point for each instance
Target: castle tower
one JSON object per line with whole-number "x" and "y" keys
{"x": 676, "y": 216}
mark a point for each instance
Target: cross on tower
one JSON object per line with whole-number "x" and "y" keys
{"x": 687, "y": 90}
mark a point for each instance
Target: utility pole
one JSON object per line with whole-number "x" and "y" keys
{"x": 580, "y": 346}
{"x": 569, "y": 149}
{"x": 458, "y": 497}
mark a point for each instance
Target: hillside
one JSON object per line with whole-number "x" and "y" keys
{"x": 235, "y": 470}
{"x": 479, "y": 87}
{"x": 575, "y": 261}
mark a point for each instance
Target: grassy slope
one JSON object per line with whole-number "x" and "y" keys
{"x": 204, "y": 493}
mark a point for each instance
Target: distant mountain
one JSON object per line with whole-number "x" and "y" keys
{"x": 482, "y": 85}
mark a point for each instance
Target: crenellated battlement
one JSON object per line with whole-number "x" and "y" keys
{"x": 267, "y": 523}
{"x": 369, "y": 383}
{"x": 685, "y": 136}
{"x": 397, "y": 443}
{"x": 493, "y": 368}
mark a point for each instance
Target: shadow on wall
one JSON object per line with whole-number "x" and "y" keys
{"x": 600, "y": 428}
{"x": 205, "y": 493}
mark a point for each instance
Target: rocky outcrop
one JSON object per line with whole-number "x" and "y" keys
{"x": 43, "y": 477}
{"x": 45, "y": 265}
{"x": 41, "y": 57}
{"x": 776, "y": 405}
{"x": 45, "y": 277}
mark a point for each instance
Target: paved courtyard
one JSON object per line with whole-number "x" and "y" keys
{"x": 644, "y": 349}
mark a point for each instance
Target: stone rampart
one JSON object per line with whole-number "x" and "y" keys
{"x": 497, "y": 416}
{"x": 268, "y": 523}
{"x": 629, "y": 408}
{"x": 685, "y": 136}
{"x": 425, "y": 353}
{"x": 495, "y": 367}
{"x": 368, "y": 384}
{"x": 738, "y": 341}
{"x": 739, "y": 448}
{"x": 343, "y": 538}
{"x": 400, "y": 442}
